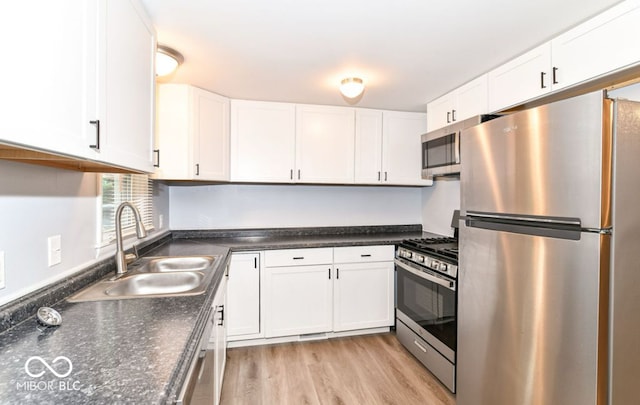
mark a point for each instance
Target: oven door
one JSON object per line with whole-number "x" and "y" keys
{"x": 426, "y": 303}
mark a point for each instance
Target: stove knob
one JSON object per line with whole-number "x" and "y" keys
{"x": 443, "y": 267}
{"x": 435, "y": 265}
{"x": 421, "y": 259}
{"x": 409, "y": 255}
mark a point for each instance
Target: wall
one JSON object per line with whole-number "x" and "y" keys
{"x": 438, "y": 203}
{"x": 37, "y": 202}
{"x": 262, "y": 206}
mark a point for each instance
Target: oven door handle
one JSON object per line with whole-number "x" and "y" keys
{"x": 451, "y": 285}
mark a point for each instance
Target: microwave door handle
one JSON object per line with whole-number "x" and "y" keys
{"x": 445, "y": 283}
{"x": 456, "y": 147}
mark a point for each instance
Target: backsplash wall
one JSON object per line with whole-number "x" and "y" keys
{"x": 438, "y": 204}
{"x": 285, "y": 206}
{"x": 37, "y": 202}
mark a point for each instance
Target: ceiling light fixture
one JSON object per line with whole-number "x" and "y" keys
{"x": 351, "y": 87}
{"x": 167, "y": 60}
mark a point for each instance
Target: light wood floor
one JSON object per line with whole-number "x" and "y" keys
{"x": 373, "y": 369}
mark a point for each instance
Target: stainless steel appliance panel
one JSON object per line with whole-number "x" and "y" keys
{"x": 528, "y": 324}
{"x": 427, "y": 355}
{"x": 544, "y": 161}
{"x": 625, "y": 252}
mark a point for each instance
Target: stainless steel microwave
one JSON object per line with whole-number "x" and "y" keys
{"x": 441, "y": 148}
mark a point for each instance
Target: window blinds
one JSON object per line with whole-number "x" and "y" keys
{"x": 118, "y": 188}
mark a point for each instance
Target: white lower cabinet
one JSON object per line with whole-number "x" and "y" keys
{"x": 363, "y": 296}
{"x": 243, "y": 296}
{"x": 218, "y": 339}
{"x": 308, "y": 291}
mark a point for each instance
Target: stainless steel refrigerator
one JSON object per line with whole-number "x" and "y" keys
{"x": 549, "y": 279}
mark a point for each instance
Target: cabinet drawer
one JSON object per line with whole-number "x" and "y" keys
{"x": 360, "y": 254}
{"x": 298, "y": 257}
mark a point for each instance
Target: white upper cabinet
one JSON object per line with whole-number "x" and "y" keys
{"x": 462, "y": 103}
{"x": 368, "y": 149}
{"x": 325, "y": 142}
{"x": 603, "y": 44}
{"x": 49, "y": 92}
{"x": 192, "y": 134}
{"x": 89, "y": 93}
{"x": 520, "y": 79}
{"x": 127, "y": 86}
{"x": 401, "y": 148}
{"x": 388, "y": 147}
{"x": 262, "y": 141}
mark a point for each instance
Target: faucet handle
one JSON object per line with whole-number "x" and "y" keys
{"x": 130, "y": 257}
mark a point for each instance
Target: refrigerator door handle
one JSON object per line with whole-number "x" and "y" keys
{"x": 549, "y": 227}
{"x": 531, "y": 219}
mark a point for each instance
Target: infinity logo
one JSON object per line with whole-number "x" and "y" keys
{"x": 41, "y": 360}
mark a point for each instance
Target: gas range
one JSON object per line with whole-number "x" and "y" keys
{"x": 438, "y": 254}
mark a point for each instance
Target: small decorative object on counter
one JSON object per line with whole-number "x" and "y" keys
{"x": 48, "y": 317}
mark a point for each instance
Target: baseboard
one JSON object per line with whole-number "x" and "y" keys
{"x": 304, "y": 338}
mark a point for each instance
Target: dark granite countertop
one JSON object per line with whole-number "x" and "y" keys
{"x": 124, "y": 351}
{"x": 296, "y": 238}
{"x": 138, "y": 350}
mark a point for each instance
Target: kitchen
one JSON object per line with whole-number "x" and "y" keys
{"x": 46, "y": 201}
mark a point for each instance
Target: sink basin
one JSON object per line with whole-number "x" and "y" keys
{"x": 148, "y": 277}
{"x": 156, "y": 284}
{"x": 185, "y": 263}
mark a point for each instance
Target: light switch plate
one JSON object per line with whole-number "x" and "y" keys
{"x": 55, "y": 250}
{"x": 2, "y": 285}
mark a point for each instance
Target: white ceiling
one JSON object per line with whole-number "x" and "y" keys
{"x": 407, "y": 51}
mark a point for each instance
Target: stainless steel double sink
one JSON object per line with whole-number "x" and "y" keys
{"x": 166, "y": 276}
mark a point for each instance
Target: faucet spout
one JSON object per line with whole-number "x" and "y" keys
{"x": 141, "y": 232}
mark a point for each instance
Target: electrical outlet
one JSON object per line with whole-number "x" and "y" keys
{"x": 2, "y": 285}
{"x": 55, "y": 250}
{"x": 160, "y": 221}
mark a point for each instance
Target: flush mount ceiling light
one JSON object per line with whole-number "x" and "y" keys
{"x": 351, "y": 87}
{"x": 167, "y": 60}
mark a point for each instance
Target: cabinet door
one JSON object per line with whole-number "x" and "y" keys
{"x": 521, "y": 79}
{"x": 243, "y": 295}
{"x": 603, "y": 44}
{"x": 298, "y": 300}
{"x": 472, "y": 99}
{"x": 363, "y": 296}
{"x": 49, "y": 67}
{"x": 402, "y": 149}
{"x": 439, "y": 111}
{"x": 262, "y": 141}
{"x": 368, "y": 149}
{"x": 220, "y": 351}
{"x": 211, "y": 134}
{"x": 325, "y": 139}
{"x": 173, "y": 135}
{"x": 126, "y": 88}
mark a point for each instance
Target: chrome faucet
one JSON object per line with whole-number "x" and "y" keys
{"x": 121, "y": 258}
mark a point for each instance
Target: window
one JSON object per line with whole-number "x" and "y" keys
{"x": 117, "y": 188}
